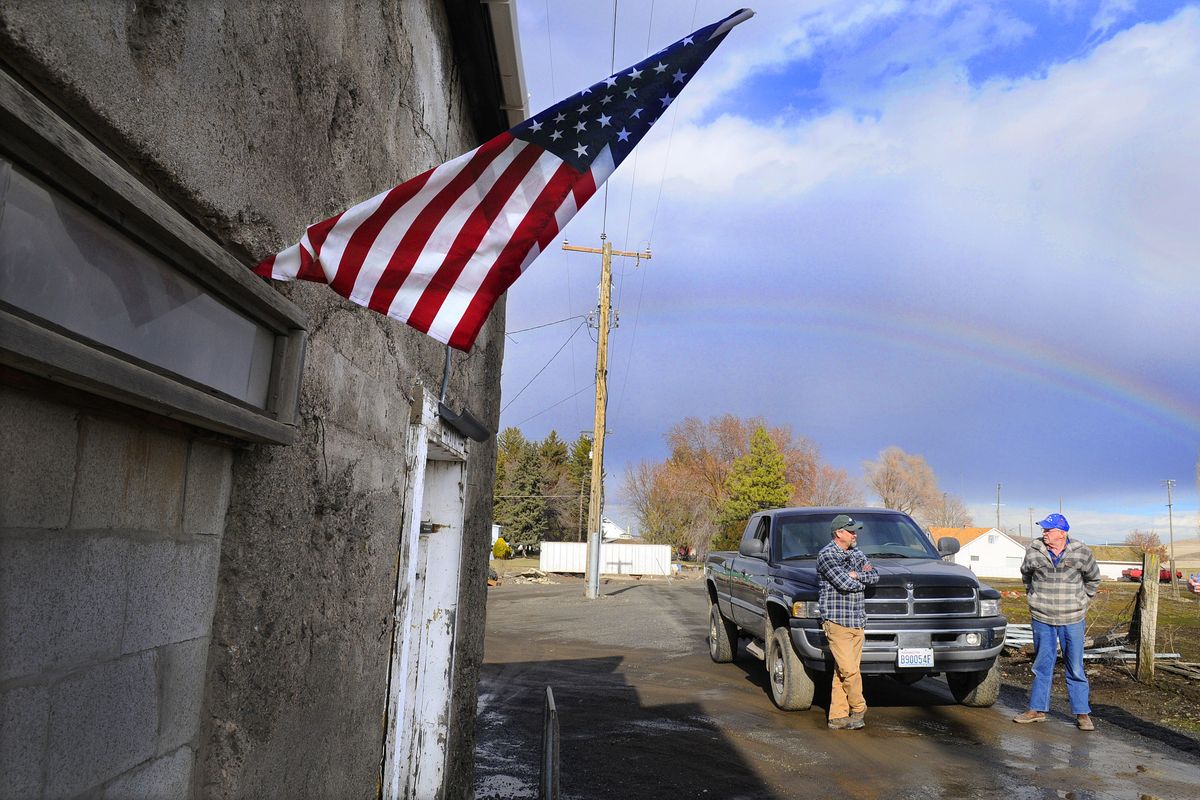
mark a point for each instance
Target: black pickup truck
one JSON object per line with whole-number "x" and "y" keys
{"x": 925, "y": 616}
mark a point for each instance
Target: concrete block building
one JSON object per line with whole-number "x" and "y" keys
{"x": 243, "y": 543}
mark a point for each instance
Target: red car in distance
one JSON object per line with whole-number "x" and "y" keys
{"x": 1164, "y": 574}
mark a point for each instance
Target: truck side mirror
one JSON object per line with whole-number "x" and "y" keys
{"x": 948, "y": 546}
{"x": 752, "y": 547}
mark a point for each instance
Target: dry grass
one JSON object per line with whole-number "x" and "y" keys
{"x": 1112, "y": 608}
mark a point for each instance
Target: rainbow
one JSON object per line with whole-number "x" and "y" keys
{"x": 925, "y": 333}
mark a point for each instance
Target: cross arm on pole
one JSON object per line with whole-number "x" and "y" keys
{"x": 599, "y": 251}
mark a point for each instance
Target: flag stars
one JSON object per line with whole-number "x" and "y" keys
{"x": 666, "y": 100}
{"x": 610, "y": 81}
{"x": 582, "y": 110}
{"x": 687, "y": 40}
{"x": 637, "y": 113}
{"x": 556, "y": 136}
{"x": 660, "y": 68}
{"x": 580, "y": 126}
{"x": 581, "y": 151}
{"x": 622, "y": 135}
{"x": 561, "y": 117}
{"x": 535, "y": 126}
{"x": 607, "y": 99}
{"x": 679, "y": 76}
{"x": 630, "y": 92}
{"x": 604, "y": 120}
{"x": 635, "y": 74}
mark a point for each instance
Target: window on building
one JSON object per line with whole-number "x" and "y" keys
{"x": 992, "y": 538}
{"x": 974, "y": 558}
{"x": 106, "y": 288}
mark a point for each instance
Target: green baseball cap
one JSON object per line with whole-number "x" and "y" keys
{"x": 845, "y": 521}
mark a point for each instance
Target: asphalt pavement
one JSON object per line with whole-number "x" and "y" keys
{"x": 644, "y": 712}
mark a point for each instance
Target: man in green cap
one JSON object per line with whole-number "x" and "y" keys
{"x": 844, "y": 572}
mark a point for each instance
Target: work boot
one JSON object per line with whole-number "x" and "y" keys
{"x": 839, "y": 723}
{"x": 1030, "y": 716}
{"x": 1084, "y": 722}
{"x": 858, "y": 716}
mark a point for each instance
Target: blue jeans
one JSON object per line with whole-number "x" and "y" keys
{"x": 1045, "y": 639}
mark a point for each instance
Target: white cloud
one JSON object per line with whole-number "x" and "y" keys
{"x": 1110, "y": 13}
{"x": 1099, "y": 155}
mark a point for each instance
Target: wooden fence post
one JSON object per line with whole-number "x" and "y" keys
{"x": 1148, "y": 618}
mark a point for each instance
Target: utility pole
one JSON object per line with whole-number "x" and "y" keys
{"x": 1031, "y": 536}
{"x": 997, "y": 506}
{"x": 606, "y": 253}
{"x": 1170, "y": 483}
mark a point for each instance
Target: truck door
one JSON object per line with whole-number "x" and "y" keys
{"x": 748, "y": 583}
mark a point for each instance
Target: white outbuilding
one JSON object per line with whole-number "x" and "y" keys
{"x": 988, "y": 552}
{"x": 1112, "y": 559}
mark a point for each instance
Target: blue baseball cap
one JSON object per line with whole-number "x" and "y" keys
{"x": 1055, "y": 521}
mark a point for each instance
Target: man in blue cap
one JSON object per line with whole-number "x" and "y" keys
{"x": 1061, "y": 577}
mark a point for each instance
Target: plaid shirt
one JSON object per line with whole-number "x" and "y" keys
{"x": 1059, "y": 594}
{"x": 841, "y": 595}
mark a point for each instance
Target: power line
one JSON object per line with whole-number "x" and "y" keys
{"x": 544, "y": 325}
{"x": 543, "y": 369}
{"x": 559, "y": 403}
{"x": 667, "y": 157}
{"x": 612, "y": 66}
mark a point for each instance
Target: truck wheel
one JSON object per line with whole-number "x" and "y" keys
{"x": 791, "y": 686}
{"x": 722, "y": 637}
{"x": 975, "y": 689}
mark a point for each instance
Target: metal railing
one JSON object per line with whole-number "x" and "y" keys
{"x": 548, "y": 787}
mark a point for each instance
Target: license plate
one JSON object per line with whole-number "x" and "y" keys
{"x": 915, "y": 657}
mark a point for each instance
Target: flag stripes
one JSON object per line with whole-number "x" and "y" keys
{"x": 438, "y": 250}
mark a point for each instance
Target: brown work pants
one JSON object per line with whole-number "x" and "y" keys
{"x": 846, "y": 645}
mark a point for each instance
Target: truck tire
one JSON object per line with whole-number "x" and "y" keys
{"x": 791, "y": 686}
{"x": 975, "y": 689}
{"x": 722, "y": 637}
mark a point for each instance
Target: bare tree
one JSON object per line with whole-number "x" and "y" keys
{"x": 831, "y": 486}
{"x": 948, "y": 512}
{"x": 902, "y": 481}
{"x": 906, "y": 482}
{"x": 1147, "y": 542}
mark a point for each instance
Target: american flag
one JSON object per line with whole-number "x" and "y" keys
{"x": 438, "y": 250}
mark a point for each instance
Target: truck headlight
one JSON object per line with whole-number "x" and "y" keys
{"x": 989, "y": 608}
{"x": 806, "y": 609}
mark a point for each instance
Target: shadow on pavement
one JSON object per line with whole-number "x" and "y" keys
{"x": 880, "y": 691}
{"x": 612, "y": 745}
{"x": 1115, "y": 715}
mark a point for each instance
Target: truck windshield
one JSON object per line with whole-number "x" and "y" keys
{"x": 882, "y": 536}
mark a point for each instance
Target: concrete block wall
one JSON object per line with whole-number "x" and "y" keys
{"x": 110, "y": 536}
{"x": 254, "y": 124}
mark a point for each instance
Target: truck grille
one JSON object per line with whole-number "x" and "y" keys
{"x": 920, "y": 601}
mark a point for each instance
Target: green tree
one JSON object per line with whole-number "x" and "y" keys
{"x": 528, "y": 512}
{"x": 510, "y": 444}
{"x": 579, "y": 478}
{"x": 561, "y": 501}
{"x": 756, "y": 481}
{"x": 553, "y": 451}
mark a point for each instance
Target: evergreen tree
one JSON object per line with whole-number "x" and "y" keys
{"x": 579, "y": 475}
{"x": 756, "y": 481}
{"x": 554, "y": 452}
{"x": 509, "y": 446}
{"x": 528, "y": 515}
{"x": 561, "y": 503}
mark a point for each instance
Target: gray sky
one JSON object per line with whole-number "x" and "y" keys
{"x": 958, "y": 228}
